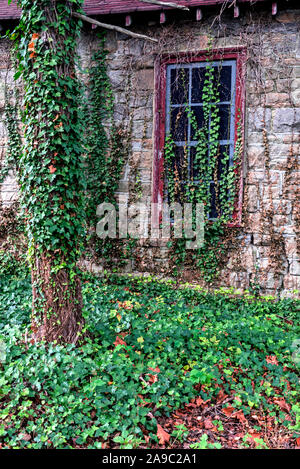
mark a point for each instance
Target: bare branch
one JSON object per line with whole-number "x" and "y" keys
{"x": 113, "y": 27}
{"x": 166, "y": 4}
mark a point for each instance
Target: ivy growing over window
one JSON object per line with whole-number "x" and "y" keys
{"x": 201, "y": 155}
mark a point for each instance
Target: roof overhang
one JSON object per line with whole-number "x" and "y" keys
{"x": 111, "y": 7}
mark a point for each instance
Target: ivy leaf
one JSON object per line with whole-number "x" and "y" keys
{"x": 17, "y": 75}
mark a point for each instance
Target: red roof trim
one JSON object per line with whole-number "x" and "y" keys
{"x": 105, "y": 7}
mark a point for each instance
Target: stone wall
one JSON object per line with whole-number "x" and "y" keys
{"x": 266, "y": 249}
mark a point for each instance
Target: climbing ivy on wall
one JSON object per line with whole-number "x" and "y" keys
{"x": 14, "y": 144}
{"x": 106, "y": 148}
{"x": 102, "y": 166}
{"x": 104, "y": 144}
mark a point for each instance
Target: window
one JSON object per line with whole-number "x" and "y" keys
{"x": 199, "y": 103}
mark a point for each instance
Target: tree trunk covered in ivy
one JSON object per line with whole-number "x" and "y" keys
{"x": 51, "y": 165}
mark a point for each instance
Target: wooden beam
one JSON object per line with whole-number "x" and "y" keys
{"x": 236, "y": 12}
{"x": 128, "y": 20}
{"x": 166, "y": 4}
{"x": 199, "y": 14}
{"x": 113, "y": 27}
{"x": 162, "y": 18}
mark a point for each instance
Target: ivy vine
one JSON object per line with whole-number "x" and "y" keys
{"x": 106, "y": 148}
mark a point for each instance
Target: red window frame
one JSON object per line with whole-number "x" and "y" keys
{"x": 235, "y": 53}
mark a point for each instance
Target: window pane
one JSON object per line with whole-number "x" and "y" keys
{"x": 198, "y": 113}
{"x": 180, "y": 163}
{"x": 222, "y": 76}
{"x": 214, "y": 213}
{"x": 225, "y": 83}
{"x": 179, "y": 85}
{"x": 198, "y": 76}
{"x": 179, "y": 124}
{"x": 224, "y": 113}
{"x": 194, "y": 173}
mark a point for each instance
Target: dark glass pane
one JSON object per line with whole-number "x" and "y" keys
{"x": 217, "y": 82}
{"x": 198, "y": 76}
{"x": 179, "y": 85}
{"x": 225, "y": 83}
{"x": 179, "y": 124}
{"x": 198, "y": 113}
{"x": 213, "y": 213}
{"x": 224, "y": 113}
{"x": 194, "y": 171}
{"x": 179, "y": 163}
{"x": 222, "y": 81}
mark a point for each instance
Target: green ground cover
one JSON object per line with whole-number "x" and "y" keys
{"x": 152, "y": 349}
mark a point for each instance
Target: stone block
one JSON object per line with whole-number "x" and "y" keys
{"x": 273, "y": 282}
{"x": 277, "y": 99}
{"x": 281, "y": 221}
{"x": 254, "y": 177}
{"x": 145, "y": 79}
{"x": 140, "y": 129}
{"x": 261, "y": 239}
{"x": 146, "y": 159}
{"x": 282, "y": 206}
{"x": 111, "y": 44}
{"x": 123, "y": 186}
{"x": 255, "y": 156}
{"x": 145, "y": 175}
{"x": 286, "y": 120}
{"x": 282, "y": 85}
{"x": 291, "y": 282}
{"x": 266, "y": 87}
{"x": 116, "y": 77}
{"x": 279, "y": 153}
{"x": 296, "y": 71}
{"x": 295, "y": 92}
{"x": 8, "y": 197}
{"x": 254, "y": 138}
{"x": 290, "y": 246}
{"x": 256, "y": 118}
{"x": 254, "y": 221}
{"x": 295, "y": 267}
{"x": 253, "y": 199}
{"x": 143, "y": 113}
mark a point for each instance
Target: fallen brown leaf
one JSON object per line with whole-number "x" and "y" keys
{"x": 162, "y": 435}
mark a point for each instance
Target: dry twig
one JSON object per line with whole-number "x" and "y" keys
{"x": 113, "y": 27}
